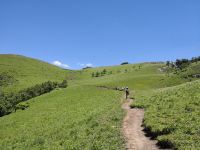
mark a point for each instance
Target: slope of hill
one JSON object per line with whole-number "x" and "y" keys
{"x": 79, "y": 117}
{"x": 191, "y": 72}
{"x": 142, "y": 76}
{"x": 172, "y": 114}
{"x": 85, "y": 116}
{"x": 19, "y": 72}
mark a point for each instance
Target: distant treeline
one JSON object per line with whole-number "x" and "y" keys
{"x": 8, "y": 103}
{"x": 101, "y": 73}
{"x": 182, "y": 63}
{"x": 124, "y": 63}
{"x": 86, "y": 68}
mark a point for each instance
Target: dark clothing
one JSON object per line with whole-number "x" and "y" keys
{"x": 127, "y": 93}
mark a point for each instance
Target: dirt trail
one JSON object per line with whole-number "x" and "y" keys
{"x": 133, "y": 130}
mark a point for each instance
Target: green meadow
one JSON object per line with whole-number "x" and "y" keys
{"x": 172, "y": 115}
{"x": 86, "y": 116}
{"x": 82, "y": 117}
{"x": 28, "y": 72}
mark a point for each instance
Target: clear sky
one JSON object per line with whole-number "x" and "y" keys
{"x": 100, "y": 32}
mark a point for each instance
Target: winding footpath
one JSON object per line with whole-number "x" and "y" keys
{"x": 133, "y": 130}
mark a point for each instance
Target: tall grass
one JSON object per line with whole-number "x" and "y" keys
{"x": 81, "y": 117}
{"x": 172, "y": 115}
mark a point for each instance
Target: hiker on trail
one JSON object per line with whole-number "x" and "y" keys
{"x": 127, "y": 92}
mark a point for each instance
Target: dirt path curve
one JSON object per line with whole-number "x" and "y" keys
{"x": 133, "y": 131}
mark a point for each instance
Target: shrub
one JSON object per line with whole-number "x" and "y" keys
{"x": 97, "y": 74}
{"x": 21, "y": 106}
{"x": 124, "y": 63}
{"x": 182, "y": 63}
{"x": 86, "y": 68}
{"x": 63, "y": 84}
{"x": 10, "y": 102}
{"x": 102, "y": 73}
{"x": 168, "y": 63}
{"x": 93, "y": 74}
{"x": 6, "y": 79}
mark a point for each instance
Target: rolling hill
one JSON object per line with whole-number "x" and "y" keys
{"x": 85, "y": 115}
{"x": 22, "y": 72}
{"x": 172, "y": 115}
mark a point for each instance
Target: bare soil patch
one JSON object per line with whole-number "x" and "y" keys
{"x": 133, "y": 130}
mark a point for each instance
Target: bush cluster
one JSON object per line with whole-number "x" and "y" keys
{"x": 86, "y": 67}
{"x": 9, "y": 102}
{"x": 124, "y": 63}
{"x": 182, "y": 63}
{"x": 22, "y": 106}
{"x": 102, "y": 73}
{"x": 6, "y": 79}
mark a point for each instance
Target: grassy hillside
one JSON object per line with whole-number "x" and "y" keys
{"x": 172, "y": 114}
{"x": 190, "y": 72}
{"x": 80, "y": 117}
{"x": 84, "y": 116}
{"x": 22, "y": 72}
{"x": 125, "y": 75}
{"x": 138, "y": 77}
{"x": 134, "y": 69}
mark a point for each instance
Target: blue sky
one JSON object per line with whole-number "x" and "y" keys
{"x": 100, "y": 32}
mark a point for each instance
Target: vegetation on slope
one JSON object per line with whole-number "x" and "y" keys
{"x": 185, "y": 68}
{"x": 79, "y": 117}
{"x": 6, "y": 79}
{"x": 21, "y": 72}
{"x": 136, "y": 76}
{"x": 172, "y": 114}
{"x": 85, "y": 116}
{"x": 8, "y": 103}
{"x": 22, "y": 78}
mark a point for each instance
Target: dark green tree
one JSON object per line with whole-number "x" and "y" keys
{"x": 104, "y": 71}
{"x": 64, "y": 84}
{"x": 97, "y": 74}
{"x": 168, "y": 63}
{"x": 93, "y": 74}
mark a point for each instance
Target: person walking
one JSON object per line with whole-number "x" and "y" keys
{"x": 127, "y": 92}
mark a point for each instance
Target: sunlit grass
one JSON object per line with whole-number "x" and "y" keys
{"x": 75, "y": 118}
